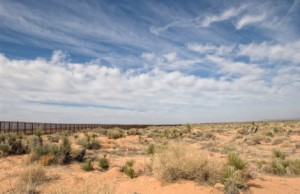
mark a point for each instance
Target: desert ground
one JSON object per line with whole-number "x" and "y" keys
{"x": 250, "y": 157}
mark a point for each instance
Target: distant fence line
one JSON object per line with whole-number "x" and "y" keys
{"x": 29, "y": 127}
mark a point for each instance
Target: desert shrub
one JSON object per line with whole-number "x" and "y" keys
{"x": 75, "y": 136}
{"x": 52, "y": 152}
{"x": 151, "y": 148}
{"x": 236, "y": 174}
{"x": 128, "y": 168}
{"x": 65, "y": 133}
{"x": 270, "y": 134}
{"x": 87, "y": 166}
{"x": 101, "y": 131}
{"x": 234, "y": 160}
{"x": 53, "y": 138}
{"x": 11, "y": 144}
{"x": 279, "y": 154}
{"x": 188, "y": 128}
{"x": 65, "y": 146}
{"x": 179, "y": 161}
{"x": 228, "y": 148}
{"x": 2, "y": 138}
{"x": 209, "y": 135}
{"x": 83, "y": 142}
{"x": 255, "y": 139}
{"x": 4, "y": 149}
{"x": 297, "y": 145}
{"x": 114, "y": 134}
{"x": 11, "y": 137}
{"x": 242, "y": 131}
{"x": 104, "y": 163}
{"x": 31, "y": 178}
{"x": 278, "y": 130}
{"x": 38, "y": 132}
{"x": 281, "y": 165}
{"x": 132, "y": 131}
{"x": 45, "y": 152}
{"x": 233, "y": 180}
{"x": 278, "y": 140}
{"x": 89, "y": 143}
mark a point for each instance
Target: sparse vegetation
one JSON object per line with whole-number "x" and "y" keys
{"x": 224, "y": 155}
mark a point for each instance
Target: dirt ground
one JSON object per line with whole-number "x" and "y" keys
{"x": 216, "y": 139}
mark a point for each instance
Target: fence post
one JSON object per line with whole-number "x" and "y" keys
{"x": 0, "y": 126}
{"x": 17, "y": 127}
{"x": 9, "y": 130}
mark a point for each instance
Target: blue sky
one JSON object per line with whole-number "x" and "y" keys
{"x": 149, "y": 61}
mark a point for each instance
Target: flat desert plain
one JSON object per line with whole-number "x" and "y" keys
{"x": 250, "y": 157}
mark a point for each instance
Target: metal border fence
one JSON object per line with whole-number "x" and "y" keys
{"x": 28, "y": 128}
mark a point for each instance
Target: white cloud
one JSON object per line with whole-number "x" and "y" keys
{"x": 227, "y": 14}
{"x": 29, "y": 87}
{"x": 249, "y": 19}
{"x": 170, "y": 56}
{"x": 232, "y": 67}
{"x": 272, "y": 52}
{"x": 209, "y": 48}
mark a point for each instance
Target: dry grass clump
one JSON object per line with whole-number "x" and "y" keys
{"x": 179, "y": 161}
{"x": 257, "y": 139}
{"x": 278, "y": 140}
{"x": 31, "y": 178}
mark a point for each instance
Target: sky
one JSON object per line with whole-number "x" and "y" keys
{"x": 149, "y": 62}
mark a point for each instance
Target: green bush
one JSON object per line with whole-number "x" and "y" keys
{"x": 4, "y": 149}
{"x": 87, "y": 166}
{"x": 114, "y": 134}
{"x": 104, "y": 163}
{"x": 53, "y": 138}
{"x": 38, "y": 132}
{"x": 279, "y": 154}
{"x": 128, "y": 168}
{"x": 65, "y": 146}
{"x": 2, "y": 138}
{"x": 234, "y": 160}
{"x": 151, "y": 148}
{"x": 132, "y": 131}
{"x": 89, "y": 143}
{"x": 188, "y": 128}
